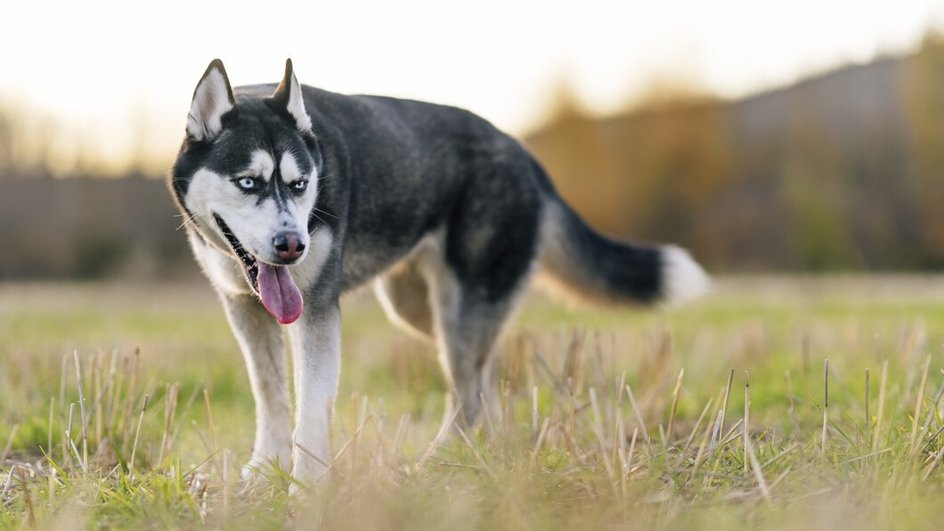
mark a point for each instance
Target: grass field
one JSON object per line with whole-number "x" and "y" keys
{"x": 609, "y": 419}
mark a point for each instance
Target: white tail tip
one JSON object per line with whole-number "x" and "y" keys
{"x": 682, "y": 278}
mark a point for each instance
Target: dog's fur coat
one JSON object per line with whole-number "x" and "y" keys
{"x": 293, "y": 195}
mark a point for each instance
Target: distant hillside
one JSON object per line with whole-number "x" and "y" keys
{"x": 90, "y": 228}
{"x": 839, "y": 171}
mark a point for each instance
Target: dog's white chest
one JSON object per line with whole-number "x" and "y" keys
{"x": 224, "y": 272}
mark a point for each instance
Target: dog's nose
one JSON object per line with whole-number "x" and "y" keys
{"x": 288, "y": 245}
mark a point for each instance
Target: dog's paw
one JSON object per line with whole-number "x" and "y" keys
{"x": 307, "y": 473}
{"x": 260, "y": 474}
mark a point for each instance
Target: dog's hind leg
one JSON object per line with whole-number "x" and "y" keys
{"x": 468, "y": 332}
{"x": 260, "y": 339}
{"x": 474, "y": 292}
{"x": 404, "y": 296}
{"x": 478, "y": 269}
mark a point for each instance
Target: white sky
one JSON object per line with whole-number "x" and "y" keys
{"x": 108, "y": 70}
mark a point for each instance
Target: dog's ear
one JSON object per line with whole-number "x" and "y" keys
{"x": 212, "y": 98}
{"x": 289, "y": 95}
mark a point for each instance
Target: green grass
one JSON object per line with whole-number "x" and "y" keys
{"x": 560, "y": 454}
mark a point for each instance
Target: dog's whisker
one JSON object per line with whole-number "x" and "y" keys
{"x": 319, "y": 218}
{"x": 316, "y": 209}
{"x": 186, "y": 221}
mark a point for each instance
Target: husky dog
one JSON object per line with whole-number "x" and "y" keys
{"x": 293, "y": 195}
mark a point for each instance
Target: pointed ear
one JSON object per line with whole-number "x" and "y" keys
{"x": 289, "y": 96}
{"x": 212, "y": 99}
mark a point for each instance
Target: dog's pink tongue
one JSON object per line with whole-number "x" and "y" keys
{"x": 279, "y": 293}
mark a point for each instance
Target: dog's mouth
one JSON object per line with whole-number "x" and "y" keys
{"x": 272, "y": 283}
{"x": 250, "y": 265}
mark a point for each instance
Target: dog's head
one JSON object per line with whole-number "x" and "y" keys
{"x": 246, "y": 177}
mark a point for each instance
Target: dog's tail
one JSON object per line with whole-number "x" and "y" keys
{"x": 582, "y": 264}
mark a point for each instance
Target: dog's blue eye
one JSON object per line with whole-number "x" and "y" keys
{"x": 300, "y": 186}
{"x": 247, "y": 183}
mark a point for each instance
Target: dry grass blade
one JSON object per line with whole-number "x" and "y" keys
{"x": 170, "y": 411}
{"x": 675, "y": 397}
{"x": 601, "y": 440}
{"x": 691, "y": 436}
{"x": 868, "y": 418}
{"x": 866, "y": 456}
{"x": 440, "y": 436}
{"x": 745, "y": 428}
{"x": 81, "y": 386}
{"x": 791, "y": 409}
{"x": 137, "y": 433}
{"x": 758, "y": 473}
{"x": 71, "y": 441}
{"x": 637, "y": 413}
{"x": 227, "y": 484}
{"x": 825, "y": 404}
{"x": 181, "y": 417}
{"x": 314, "y": 456}
{"x": 6, "y": 449}
{"x": 719, "y": 427}
{"x": 699, "y": 456}
{"x": 28, "y": 497}
{"x": 916, "y": 419}
{"x": 488, "y": 424}
{"x": 402, "y": 427}
{"x": 133, "y": 366}
{"x": 540, "y": 440}
{"x": 476, "y": 453}
{"x": 52, "y": 408}
{"x": 8, "y": 483}
{"x": 935, "y": 461}
{"x": 210, "y": 424}
{"x": 793, "y": 446}
{"x": 880, "y": 413}
{"x": 628, "y": 467}
{"x": 350, "y": 441}
{"x": 534, "y": 412}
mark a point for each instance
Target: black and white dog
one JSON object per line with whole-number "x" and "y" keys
{"x": 293, "y": 195}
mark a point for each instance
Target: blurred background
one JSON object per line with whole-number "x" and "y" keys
{"x": 798, "y": 137}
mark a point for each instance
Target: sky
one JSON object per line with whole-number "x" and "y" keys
{"x": 116, "y": 77}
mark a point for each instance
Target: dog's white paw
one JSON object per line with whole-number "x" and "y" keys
{"x": 308, "y": 469}
{"x": 261, "y": 472}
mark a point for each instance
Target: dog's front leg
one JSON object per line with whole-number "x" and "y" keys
{"x": 260, "y": 339}
{"x": 316, "y": 347}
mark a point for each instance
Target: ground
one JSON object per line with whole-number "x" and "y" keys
{"x": 608, "y": 418}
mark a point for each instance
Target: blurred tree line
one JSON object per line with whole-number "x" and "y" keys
{"x": 841, "y": 171}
